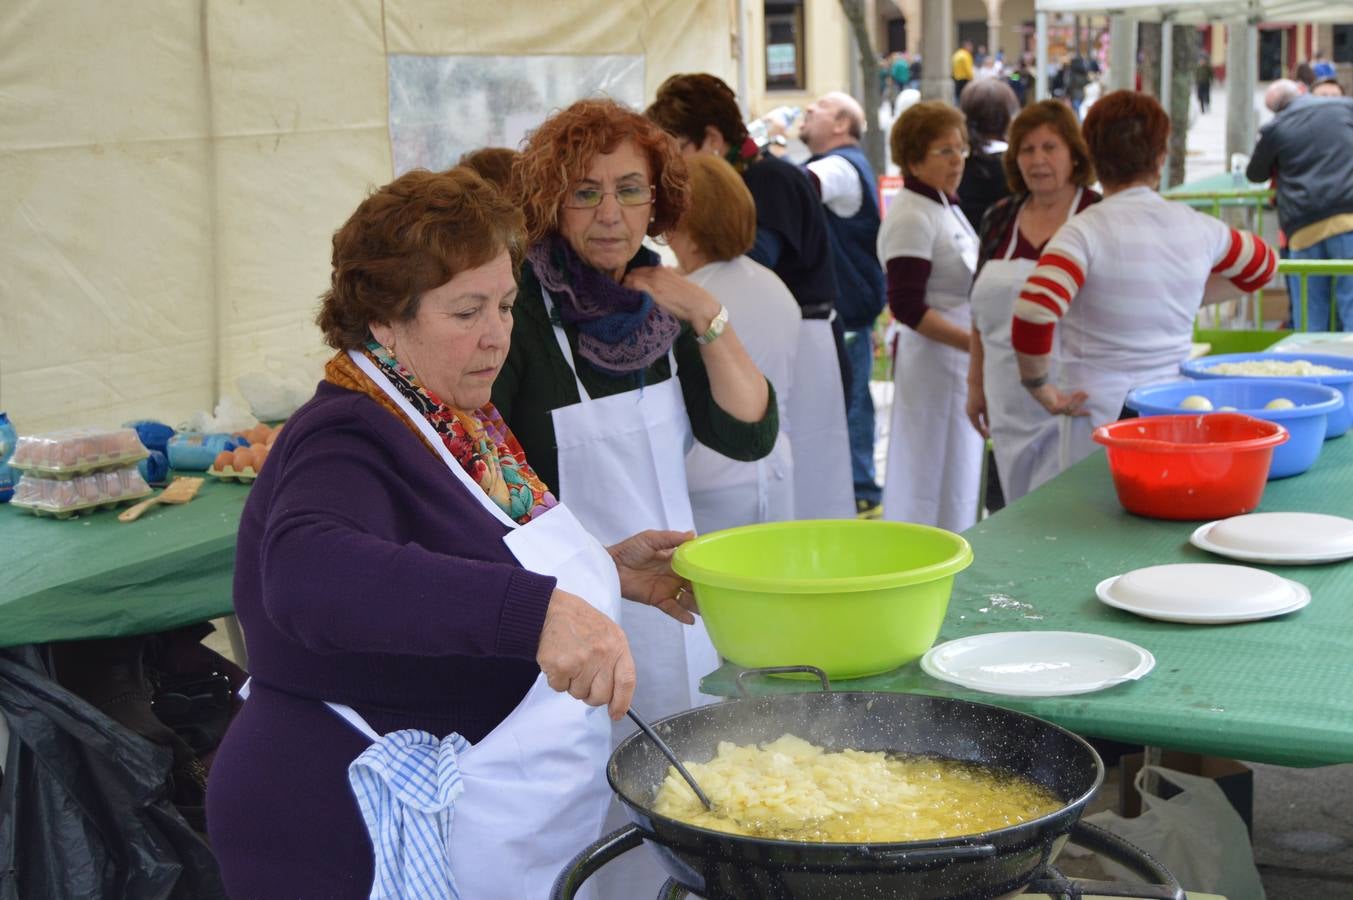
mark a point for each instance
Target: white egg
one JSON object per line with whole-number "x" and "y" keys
{"x": 1279, "y": 403}
{"x": 1196, "y": 402}
{"x": 1226, "y": 409}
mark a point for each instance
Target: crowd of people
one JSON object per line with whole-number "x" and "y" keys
{"x": 528, "y": 412}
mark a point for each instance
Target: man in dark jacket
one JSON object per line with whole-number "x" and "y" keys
{"x": 1308, "y": 147}
{"x": 832, "y": 128}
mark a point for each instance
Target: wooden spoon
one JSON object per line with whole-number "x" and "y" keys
{"x": 180, "y": 490}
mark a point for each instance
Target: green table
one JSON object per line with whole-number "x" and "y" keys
{"x": 94, "y": 577}
{"x": 1277, "y": 691}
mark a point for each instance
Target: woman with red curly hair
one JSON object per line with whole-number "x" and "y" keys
{"x": 430, "y": 633}
{"x": 617, "y": 362}
{"x": 1120, "y": 283}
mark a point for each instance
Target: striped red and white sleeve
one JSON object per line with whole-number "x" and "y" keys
{"x": 1248, "y": 262}
{"x": 1044, "y": 299}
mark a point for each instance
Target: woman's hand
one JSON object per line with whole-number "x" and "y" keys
{"x": 977, "y": 395}
{"x": 977, "y": 409}
{"x": 585, "y": 653}
{"x": 677, "y": 294}
{"x": 1059, "y": 404}
{"x": 645, "y": 565}
{"x": 735, "y": 383}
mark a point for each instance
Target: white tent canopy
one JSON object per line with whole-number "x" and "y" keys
{"x": 173, "y": 172}
{"x": 1202, "y": 11}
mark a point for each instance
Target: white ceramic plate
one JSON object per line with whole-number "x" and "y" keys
{"x": 1203, "y": 593}
{"x": 1037, "y": 663}
{"x": 1286, "y": 539}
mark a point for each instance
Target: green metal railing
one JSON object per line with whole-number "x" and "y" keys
{"x": 1214, "y": 201}
{"x": 1305, "y": 268}
{"x": 1243, "y": 340}
{"x": 1256, "y": 200}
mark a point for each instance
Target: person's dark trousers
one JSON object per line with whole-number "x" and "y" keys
{"x": 959, "y": 85}
{"x": 860, "y": 414}
{"x": 1204, "y": 95}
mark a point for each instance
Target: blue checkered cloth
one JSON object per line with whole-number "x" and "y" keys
{"x": 406, "y": 785}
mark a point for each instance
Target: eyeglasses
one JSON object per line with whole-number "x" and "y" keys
{"x": 627, "y": 195}
{"x": 950, "y": 152}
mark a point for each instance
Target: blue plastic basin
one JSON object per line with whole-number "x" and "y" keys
{"x": 1307, "y": 422}
{"x": 1338, "y": 421}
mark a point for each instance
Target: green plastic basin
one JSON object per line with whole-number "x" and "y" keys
{"x": 852, "y": 597}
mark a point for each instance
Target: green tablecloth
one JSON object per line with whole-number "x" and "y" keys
{"x": 94, "y": 576}
{"x": 1277, "y": 691}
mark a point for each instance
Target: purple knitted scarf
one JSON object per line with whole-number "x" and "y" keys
{"x": 620, "y": 331}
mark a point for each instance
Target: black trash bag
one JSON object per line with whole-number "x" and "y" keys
{"x": 84, "y": 810}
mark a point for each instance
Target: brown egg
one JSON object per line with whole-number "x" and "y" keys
{"x": 241, "y": 459}
{"x": 259, "y": 452}
{"x": 221, "y": 461}
{"x": 272, "y": 435}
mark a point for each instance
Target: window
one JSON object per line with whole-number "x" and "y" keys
{"x": 1343, "y": 44}
{"x": 784, "y": 46}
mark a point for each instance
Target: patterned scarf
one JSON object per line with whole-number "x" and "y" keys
{"x": 620, "y": 331}
{"x": 478, "y": 439}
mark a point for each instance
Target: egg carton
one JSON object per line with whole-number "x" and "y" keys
{"x": 229, "y": 473}
{"x": 63, "y": 498}
{"x": 75, "y": 452}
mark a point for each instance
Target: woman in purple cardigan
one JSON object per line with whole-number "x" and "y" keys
{"x": 432, "y": 636}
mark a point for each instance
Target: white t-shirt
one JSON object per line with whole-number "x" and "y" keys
{"x": 1146, "y": 262}
{"x": 767, "y": 318}
{"x": 923, "y": 228}
{"x": 841, "y": 191}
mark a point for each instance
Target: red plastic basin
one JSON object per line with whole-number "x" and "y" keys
{"x": 1190, "y": 467}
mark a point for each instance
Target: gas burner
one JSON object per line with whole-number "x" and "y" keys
{"x": 1158, "y": 883}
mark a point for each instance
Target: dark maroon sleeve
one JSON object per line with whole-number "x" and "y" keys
{"x": 907, "y": 276}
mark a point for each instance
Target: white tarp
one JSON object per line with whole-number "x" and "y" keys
{"x": 1198, "y": 11}
{"x": 174, "y": 172}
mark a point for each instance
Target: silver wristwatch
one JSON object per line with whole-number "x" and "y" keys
{"x": 716, "y": 327}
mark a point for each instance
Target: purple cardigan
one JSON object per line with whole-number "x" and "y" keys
{"x": 366, "y": 573}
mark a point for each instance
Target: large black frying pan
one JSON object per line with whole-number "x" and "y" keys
{"x": 716, "y": 865}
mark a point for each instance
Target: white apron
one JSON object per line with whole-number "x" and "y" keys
{"x": 1023, "y": 434}
{"x": 823, "y": 485}
{"x": 535, "y": 789}
{"x": 622, "y": 466}
{"x": 768, "y": 497}
{"x": 934, "y": 469}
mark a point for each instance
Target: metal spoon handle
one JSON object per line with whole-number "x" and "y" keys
{"x": 671, "y": 756}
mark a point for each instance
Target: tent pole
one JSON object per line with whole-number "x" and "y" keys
{"x": 1042, "y": 91}
{"x": 1167, "y": 82}
{"x": 1242, "y": 52}
{"x": 1122, "y": 52}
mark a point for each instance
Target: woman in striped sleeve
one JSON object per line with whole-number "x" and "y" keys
{"x": 1121, "y": 283}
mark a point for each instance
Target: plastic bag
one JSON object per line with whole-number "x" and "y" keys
{"x": 1196, "y": 834}
{"x": 272, "y": 397}
{"x": 231, "y": 415}
{"x": 83, "y": 805}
